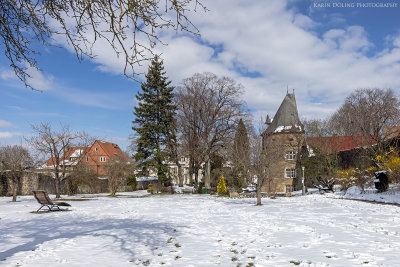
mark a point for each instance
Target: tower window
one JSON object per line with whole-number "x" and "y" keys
{"x": 290, "y": 173}
{"x": 290, "y": 155}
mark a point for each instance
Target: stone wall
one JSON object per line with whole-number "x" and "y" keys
{"x": 32, "y": 180}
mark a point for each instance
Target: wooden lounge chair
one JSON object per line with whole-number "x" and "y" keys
{"x": 43, "y": 198}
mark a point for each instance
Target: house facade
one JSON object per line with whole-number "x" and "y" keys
{"x": 96, "y": 156}
{"x": 187, "y": 177}
{"x": 282, "y": 142}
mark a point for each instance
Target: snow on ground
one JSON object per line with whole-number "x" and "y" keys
{"x": 200, "y": 230}
{"x": 390, "y": 196}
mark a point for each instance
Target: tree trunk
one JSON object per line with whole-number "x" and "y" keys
{"x": 180, "y": 176}
{"x": 196, "y": 177}
{"x": 58, "y": 181}
{"x": 15, "y": 188}
{"x": 258, "y": 187}
{"x": 207, "y": 177}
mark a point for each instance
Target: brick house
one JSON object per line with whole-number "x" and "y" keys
{"x": 284, "y": 140}
{"x": 96, "y": 156}
{"x": 100, "y": 153}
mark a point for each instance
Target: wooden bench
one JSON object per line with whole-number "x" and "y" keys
{"x": 43, "y": 198}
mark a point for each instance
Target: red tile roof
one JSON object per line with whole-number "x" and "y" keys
{"x": 330, "y": 144}
{"x": 107, "y": 149}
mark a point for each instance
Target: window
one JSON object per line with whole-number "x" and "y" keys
{"x": 87, "y": 159}
{"x": 290, "y": 173}
{"x": 290, "y": 155}
{"x": 182, "y": 159}
{"x": 95, "y": 149}
{"x": 102, "y": 159}
{"x": 288, "y": 188}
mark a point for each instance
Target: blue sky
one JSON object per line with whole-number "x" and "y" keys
{"x": 323, "y": 53}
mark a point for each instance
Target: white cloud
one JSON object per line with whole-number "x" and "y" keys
{"x": 36, "y": 78}
{"x": 280, "y": 45}
{"x": 10, "y": 134}
{"x": 40, "y": 81}
{"x": 6, "y": 124}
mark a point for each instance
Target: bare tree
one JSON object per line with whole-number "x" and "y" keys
{"x": 262, "y": 158}
{"x": 173, "y": 149}
{"x": 118, "y": 169}
{"x": 209, "y": 108}
{"x": 54, "y": 144}
{"x": 14, "y": 160}
{"x": 130, "y": 28}
{"x": 371, "y": 113}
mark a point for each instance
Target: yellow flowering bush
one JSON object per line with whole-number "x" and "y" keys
{"x": 352, "y": 177}
{"x": 389, "y": 162}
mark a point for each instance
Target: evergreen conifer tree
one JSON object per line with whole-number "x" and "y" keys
{"x": 153, "y": 118}
{"x": 241, "y": 154}
{"x": 221, "y": 187}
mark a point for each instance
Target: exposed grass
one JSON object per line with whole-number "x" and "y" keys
{"x": 177, "y": 257}
{"x": 250, "y": 264}
{"x": 234, "y": 258}
{"x": 234, "y": 251}
{"x": 295, "y": 262}
{"x": 177, "y": 245}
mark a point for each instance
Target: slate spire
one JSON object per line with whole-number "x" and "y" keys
{"x": 286, "y": 118}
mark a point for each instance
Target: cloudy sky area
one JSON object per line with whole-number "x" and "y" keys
{"x": 266, "y": 45}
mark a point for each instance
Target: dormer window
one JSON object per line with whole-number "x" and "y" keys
{"x": 102, "y": 159}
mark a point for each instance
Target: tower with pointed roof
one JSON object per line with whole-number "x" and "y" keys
{"x": 282, "y": 142}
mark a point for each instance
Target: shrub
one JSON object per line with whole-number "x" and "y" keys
{"x": 352, "y": 177}
{"x": 131, "y": 181}
{"x": 389, "y": 162}
{"x": 221, "y": 188}
{"x": 200, "y": 188}
{"x": 150, "y": 188}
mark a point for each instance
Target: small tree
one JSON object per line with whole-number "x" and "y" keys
{"x": 118, "y": 170}
{"x": 221, "y": 188}
{"x": 54, "y": 144}
{"x": 14, "y": 160}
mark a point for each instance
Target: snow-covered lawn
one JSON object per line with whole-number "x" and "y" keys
{"x": 200, "y": 230}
